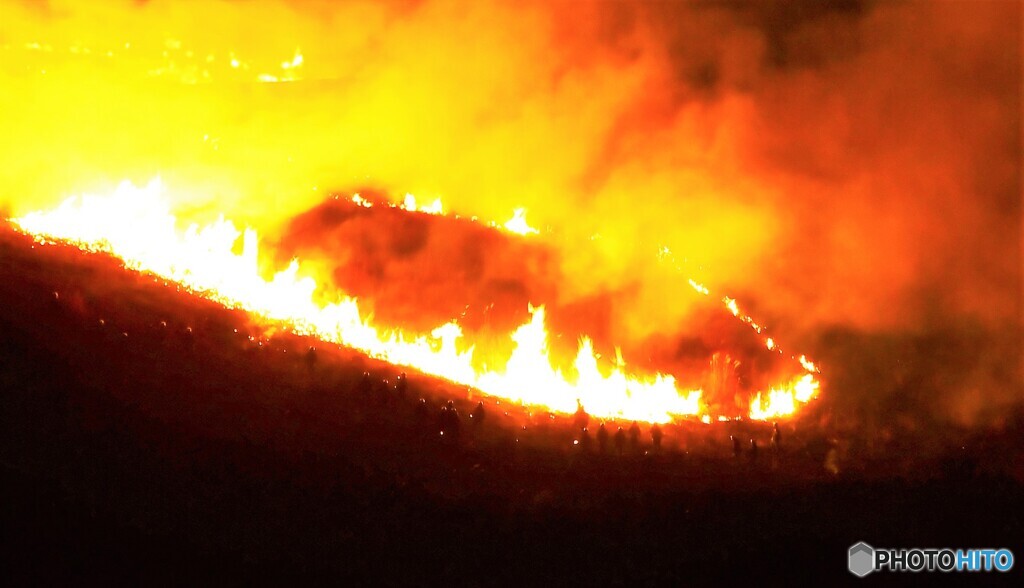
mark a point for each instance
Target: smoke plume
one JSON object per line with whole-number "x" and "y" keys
{"x": 850, "y": 171}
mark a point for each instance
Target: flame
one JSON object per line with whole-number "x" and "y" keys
{"x": 137, "y": 225}
{"x": 360, "y": 201}
{"x": 407, "y": 204}
{"x": 517, "y": 224}
{"x": 434, "y": 207}
{"x": 783, "y": 401}
{"x": 699, "y": 287}
{"x": 730, "y": 303}
{"x": 808, "y": 364}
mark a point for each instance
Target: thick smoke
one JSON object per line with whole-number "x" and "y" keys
{"x": 849, "y": 171}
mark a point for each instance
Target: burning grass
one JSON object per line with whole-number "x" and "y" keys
{"x": 138, "y": 226}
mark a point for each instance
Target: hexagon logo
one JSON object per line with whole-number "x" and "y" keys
{"x": 862, "y": 559}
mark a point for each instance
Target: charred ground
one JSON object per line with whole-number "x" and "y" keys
{"x": 146, "y": 437}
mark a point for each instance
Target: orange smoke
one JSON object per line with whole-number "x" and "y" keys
{"x": 849, "y": 163}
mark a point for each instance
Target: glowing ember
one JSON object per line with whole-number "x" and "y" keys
{"x": 137, "y": 226}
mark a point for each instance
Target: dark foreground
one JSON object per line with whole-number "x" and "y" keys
{"x": 143, "y": 439}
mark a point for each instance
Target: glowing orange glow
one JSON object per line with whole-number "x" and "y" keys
{"x": 783, "y": 401}
{"x": 731, "y": 305}
{"x": 699, "y": 287}
{"x": 136, "y": 225}
{"x": 517, "y": 224}
{"x": 808, "y": 364}
{"x": 262, "y": 107}
{"x": 434, "y": 207}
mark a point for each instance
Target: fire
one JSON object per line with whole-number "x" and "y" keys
{"x": 808, "y": 364}
{"x": 137, "y": 225}
{"x": 517, "y": 224}
{"x": 784, "y": 401}
{"x": 434, "y": 207}
{"x": 730, "y": 303}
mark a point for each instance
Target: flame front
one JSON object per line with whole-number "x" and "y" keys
{"x": 137, "y": 225}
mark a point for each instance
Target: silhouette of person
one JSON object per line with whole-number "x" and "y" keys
{"x": 478, "y": 414}
{"x": 365, "y": 386}
{"x": 602, "y": 438}
{"x": 401, "y": 386}
{"x": 311, "y": 358}
{"x": 634, "y": 437}
{"x": 581, "y": 419}
{"x": 421, "y": 409}
{"x": 452, "y": 423}
{"x": 585, "y": 440}
{"x": 656, "y": 436}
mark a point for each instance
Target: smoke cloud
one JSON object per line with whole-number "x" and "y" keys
{"x": 850, "y": 171}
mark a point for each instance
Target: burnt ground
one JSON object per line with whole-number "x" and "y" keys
{"x": 146, "y": 438}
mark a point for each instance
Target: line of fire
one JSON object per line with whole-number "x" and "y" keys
{"x": 507, "y": 293}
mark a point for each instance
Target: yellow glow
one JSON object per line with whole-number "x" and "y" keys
{"x": 731, "y": 305}
{"x": 410, "y": 205}
{"x": 517, "y": 224}
{"x": 808, "y": 364}
{"x": 136, "y": 224}
{"x": 784, "y": 401}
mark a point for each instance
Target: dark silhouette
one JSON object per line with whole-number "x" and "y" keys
{"x": 449, "y": 421}
{"x": 365, "y": 386}
{"x": 581, "y": 419}
{"x": 422, "y": 410}
{"x": 753, "y": 450}
{"x": 736, "y": 448}
{"x": 584, "y": 441}
{"x": 620, "y": 440}
{"x": 478, "y": 415}
{"x": 656, "y": 435}
{"x": 310, "y": 358}
{"x": 401, "y": 386}
{"x": 454, "y": 423}
{"x": 634, "y": 437}
{"x": 602, "y": 438}
{"x": 442, "y": 420}
{"x": 382, "y": 393}
{"x": 776, "y": 437}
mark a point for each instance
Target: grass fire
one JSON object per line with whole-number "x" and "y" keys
{"x": 135, "y": 225}
{"x": 512, "y": 293}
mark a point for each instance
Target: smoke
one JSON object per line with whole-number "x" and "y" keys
{"x": 421, "y": 271}
{"x": 837, "y": 166}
